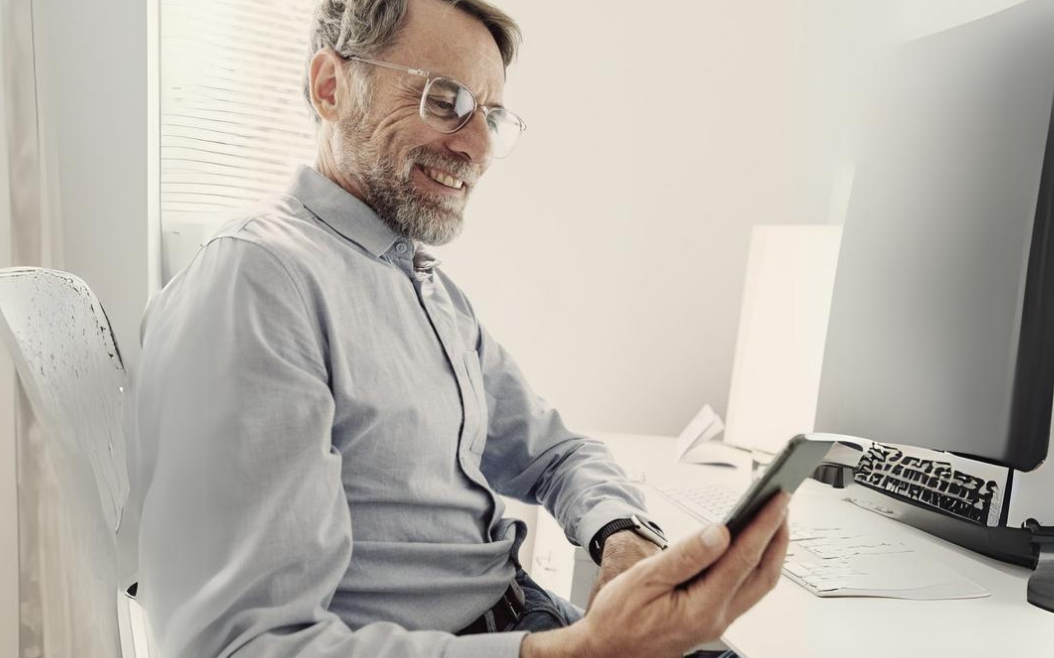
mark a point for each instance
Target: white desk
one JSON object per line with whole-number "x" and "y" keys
{"x": 792, "y": 623}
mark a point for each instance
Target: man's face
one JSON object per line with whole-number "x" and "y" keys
{"x": 401, "y": 166}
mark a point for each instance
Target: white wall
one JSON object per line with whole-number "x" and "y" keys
{"x": 608, "y": 252}
{"x": 92, "y": 77}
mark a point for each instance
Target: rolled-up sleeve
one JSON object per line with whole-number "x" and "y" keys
{"x": 531, "y": 455}
{"x": 246, "y": 530}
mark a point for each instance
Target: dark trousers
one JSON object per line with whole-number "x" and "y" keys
{"x": 542, "y": 610}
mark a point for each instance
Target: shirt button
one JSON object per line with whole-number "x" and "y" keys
{"x": 400, "y": 247}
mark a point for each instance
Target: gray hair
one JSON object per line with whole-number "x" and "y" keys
{"x": 368, "y": 27}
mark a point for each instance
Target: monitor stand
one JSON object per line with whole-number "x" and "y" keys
{"x": 1041, "y": 584}
{"x": 1012, "y": 545}
{"x": 1030, "y": 546}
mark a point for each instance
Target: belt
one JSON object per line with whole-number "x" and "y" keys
{"x": 501, "y": 616}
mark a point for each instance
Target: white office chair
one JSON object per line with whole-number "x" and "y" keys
{"x": 71, "y": 370}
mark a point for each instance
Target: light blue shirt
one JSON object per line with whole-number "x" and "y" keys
{"x": 332, "y": 428}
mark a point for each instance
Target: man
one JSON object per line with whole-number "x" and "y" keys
{"x": 333, "y": 424}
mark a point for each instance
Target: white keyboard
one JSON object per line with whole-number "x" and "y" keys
{"x": 709, "y": 503}
{"x": 712, "y": 503}
{"x": 832, "y": 561}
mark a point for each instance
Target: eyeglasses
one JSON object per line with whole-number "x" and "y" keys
{"x": 448, "y": 106}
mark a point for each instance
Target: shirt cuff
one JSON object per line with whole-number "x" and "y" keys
{"x": 603, "y": 514}
{"x": 486, "y": 645}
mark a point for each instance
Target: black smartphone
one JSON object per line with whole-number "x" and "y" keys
{"x": 787, "y": 470}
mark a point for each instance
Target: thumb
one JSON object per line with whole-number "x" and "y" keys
{"x": 688, "y": 557}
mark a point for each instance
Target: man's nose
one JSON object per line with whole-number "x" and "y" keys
{"x": 472, "y": 142}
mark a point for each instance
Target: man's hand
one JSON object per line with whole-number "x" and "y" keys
{"x": 646, "y": 613}
{"x": 621, "y": 551}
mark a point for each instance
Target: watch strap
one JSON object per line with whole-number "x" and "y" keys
{"x": 646, "y": 529}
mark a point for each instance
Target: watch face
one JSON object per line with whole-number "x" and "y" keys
{"x": 649, "y": 531}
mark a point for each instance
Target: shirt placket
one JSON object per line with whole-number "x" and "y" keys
{"x": 440, "y": 314}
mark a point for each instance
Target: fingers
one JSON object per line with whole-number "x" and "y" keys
{"x": 761, "y": 581}
{"x": 685, "y": 559}
{"x": 747, "y": 552}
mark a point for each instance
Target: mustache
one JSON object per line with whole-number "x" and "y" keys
{"x": 428, "y": 158}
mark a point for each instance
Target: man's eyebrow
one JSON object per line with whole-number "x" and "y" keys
{"x": 413, "y": 85}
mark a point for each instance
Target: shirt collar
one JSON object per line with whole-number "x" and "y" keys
{"x": 342, "y": 211}
{"x": 424, "y": 260}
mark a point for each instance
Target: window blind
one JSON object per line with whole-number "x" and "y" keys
{"x": 233, "y": 122}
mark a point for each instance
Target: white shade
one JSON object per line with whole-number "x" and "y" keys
{"x": 234, "y": 123}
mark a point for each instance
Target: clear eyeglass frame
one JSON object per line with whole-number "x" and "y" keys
{"x": 503, "y": 125}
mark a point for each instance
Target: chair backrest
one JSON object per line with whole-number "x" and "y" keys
{"x": 71, "y": 370}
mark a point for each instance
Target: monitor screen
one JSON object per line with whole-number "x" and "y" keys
{"x": 941, "y": 332}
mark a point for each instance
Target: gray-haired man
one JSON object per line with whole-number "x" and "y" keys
{"x": 333, "y": 423}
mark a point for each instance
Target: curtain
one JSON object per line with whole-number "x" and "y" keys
{"x": 51, "y": 588}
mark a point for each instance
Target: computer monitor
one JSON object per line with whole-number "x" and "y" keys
{"x": 941, "y": 332}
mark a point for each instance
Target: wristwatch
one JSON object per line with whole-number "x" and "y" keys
{"x": 641, "y": 527}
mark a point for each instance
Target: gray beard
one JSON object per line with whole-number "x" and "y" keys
{"x": 432, "y": 220}
{"x": 390, "y": 192}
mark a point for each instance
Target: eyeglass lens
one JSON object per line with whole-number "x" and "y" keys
{"x": 447, "y": 106}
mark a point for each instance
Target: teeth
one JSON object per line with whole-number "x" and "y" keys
{"x": 444, "y": 179}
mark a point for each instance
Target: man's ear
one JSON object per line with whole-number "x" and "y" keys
{"x": 326, "y": 76}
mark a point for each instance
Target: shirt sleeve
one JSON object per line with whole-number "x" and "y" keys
{"x": 246, "y": 530}
{"x": 530, "y": 454}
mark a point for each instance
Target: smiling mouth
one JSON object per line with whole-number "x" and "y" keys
{"x": 443, "y": 178}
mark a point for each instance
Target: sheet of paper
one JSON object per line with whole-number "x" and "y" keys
{"x": 718, "y": 453}
{"x": 706, "y": 426}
